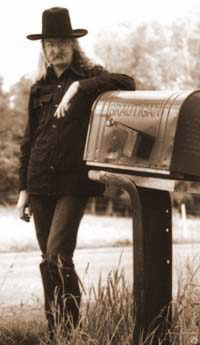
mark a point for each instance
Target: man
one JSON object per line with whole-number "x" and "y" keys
{"x": 53, "y": 176}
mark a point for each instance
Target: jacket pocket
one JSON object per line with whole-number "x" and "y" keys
{"x": 42, "y": 107}
{"x": 42, "y": 101}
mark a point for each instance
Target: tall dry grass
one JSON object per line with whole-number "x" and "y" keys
{"x": 185, "y": 328}
{"x": 108, "y": 317}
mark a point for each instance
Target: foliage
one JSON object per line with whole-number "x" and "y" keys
{"x": 13, "y": 114}
{"x": 159, "y": 57}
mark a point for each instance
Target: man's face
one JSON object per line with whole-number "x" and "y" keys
{"x": 58, "y": 51}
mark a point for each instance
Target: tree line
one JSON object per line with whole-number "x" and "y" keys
{"x": 158, "y": 57}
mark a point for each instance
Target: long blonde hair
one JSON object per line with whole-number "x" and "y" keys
{"x": 79, "y": 60}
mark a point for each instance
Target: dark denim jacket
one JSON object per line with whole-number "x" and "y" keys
{"x": 51, "y": 160}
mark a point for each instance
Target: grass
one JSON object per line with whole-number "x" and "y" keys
{"x": 107, "y": 316}
{"x": 185, "y": 328}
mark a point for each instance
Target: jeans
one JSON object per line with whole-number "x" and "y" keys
{"x": 57, "y": 221}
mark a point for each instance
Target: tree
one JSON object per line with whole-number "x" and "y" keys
{"x": 19, "y": 94}
{"x": 159, "y": 57}
{"x": 13, "y": 113}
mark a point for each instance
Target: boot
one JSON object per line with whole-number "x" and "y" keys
{"x": 71, "y": 297}
{"x": 50, "y": 281}
{"x": 61, "y": 296}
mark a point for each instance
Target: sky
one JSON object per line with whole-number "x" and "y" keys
{"x": 19, "y": 56}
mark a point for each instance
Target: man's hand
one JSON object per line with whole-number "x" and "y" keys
{"x": 66, "y": 100}
{"x": 23, "y": 206}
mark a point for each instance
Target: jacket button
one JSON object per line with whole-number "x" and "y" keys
{"x": 54, "y": 126}
{"x": 59, "y": 86}
{"x": 52, "y": 168}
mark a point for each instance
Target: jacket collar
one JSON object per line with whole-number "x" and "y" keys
{"x": 72, "y": 69}
{"x": 78, "y": 71}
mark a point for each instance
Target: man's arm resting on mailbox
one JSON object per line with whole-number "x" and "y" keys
{"x": 97, "y": 81}
{"x": 105, "y": 81}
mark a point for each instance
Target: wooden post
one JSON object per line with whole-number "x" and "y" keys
{"x": 152, "y": 258}
{"x": 152, "y": 265}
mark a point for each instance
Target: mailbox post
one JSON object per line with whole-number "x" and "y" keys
{"x": 147, "y": 142}
{"x": 152, "y": 257}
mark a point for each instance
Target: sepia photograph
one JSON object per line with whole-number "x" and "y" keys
{"x": 100, "y": 172}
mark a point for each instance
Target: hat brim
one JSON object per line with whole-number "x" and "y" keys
{"x": 74, "y": 34}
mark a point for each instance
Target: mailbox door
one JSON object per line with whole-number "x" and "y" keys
{"x": 186, "y": 154}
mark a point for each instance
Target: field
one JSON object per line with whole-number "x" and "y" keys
{"x": 103, "y": 248}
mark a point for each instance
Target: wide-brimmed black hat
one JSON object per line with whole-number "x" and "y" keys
{"x": 56, "y": 23}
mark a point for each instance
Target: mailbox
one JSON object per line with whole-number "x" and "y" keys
{"x": 150, "y": 133}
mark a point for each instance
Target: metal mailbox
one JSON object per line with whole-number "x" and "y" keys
{"x": 146, "y": 132}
